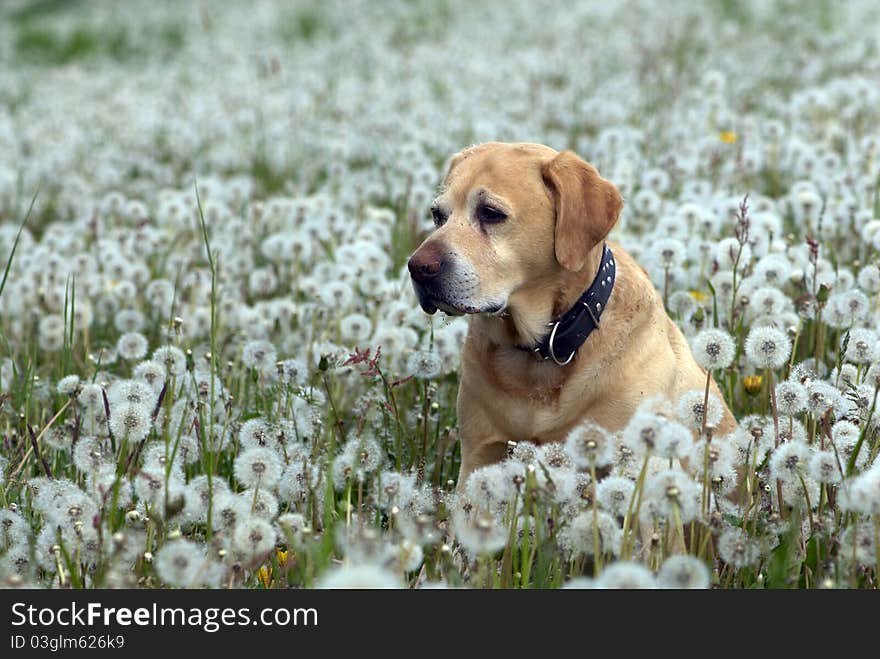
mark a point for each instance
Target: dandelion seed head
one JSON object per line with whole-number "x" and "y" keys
{"x": 258, "y": 467}
{"x": 17, "y": 562}
{"x": 553, "y": 455}
{"x": 14, "y": 530}
{"x": 293, "y": 372}
{"x": 355, "y": 329}
{"x": 671, "y": 494}
{"x": 669, "y": 252}
{"x": 91, "y": 396}
{"x": 861, "y": 348}
{"x": 614, "y": 493}
{"x": 253, "y": 537}
{"x": 869, "y": 278}
{"x": 259, "y": 355}
{"x": 359, "y": 577}
{"x": 791, "y": 397}
{"x": 157, "y": 457}
{"x": 130, "y": 421}
{"x": 713, "y": 349}
{"x": 256, "y": 433}
{"x": 90, "y": 453}
{"x": 424, "y": 364}
{"x": 397, "y": 489}
{"x": 790, "y": 461}
{"x": 492, "y": 486}
{"x": 69, "y": 385}
{"x": 172, "y": 358}
{"x": 692, "y": 409}
{"x": 641, "y": 434}
{"x": 152, "y": 373}
{"x": 258, "y": 503}
{"x": 59, "y": 436}
{"x": 179, "y": 563}
{"x": 859, "y": 542}
{"x": 821, "y": 396}
{"x": 297, "y": 481}
{"x": 736, "y": 548}
{"x": 477, "y": 530}
{"x": 686, "y": 572}
{"x": 767, "y": 347}
{"x": 149, "y": 488}
{"x": 132, "y": 346}
{"x": 824, "y": 467}
{"x": 590, "y": 445}
{"x": 130, "y": 391}
{"x": 576, "y": 539}
{"x": 228, "y": 509}
{"x": 626, "y": 576}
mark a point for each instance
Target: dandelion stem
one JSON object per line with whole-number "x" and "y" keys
{"x": 628, "y": 518}
{"x": 20, "y": 466}
{"x": 851, "y": 465}
{"x": 775, "y": 409}
{"x": 597, "y": 555}
{"x": 809, "y": 505}
{"x": 706, "y": 403}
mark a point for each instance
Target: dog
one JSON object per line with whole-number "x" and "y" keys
{"x": 519, "y": 244}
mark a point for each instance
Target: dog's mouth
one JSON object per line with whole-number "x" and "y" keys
{"x": 431, "y": 303}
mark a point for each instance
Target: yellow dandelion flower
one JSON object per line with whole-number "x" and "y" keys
{"x": 727, "y": 136}
{"x": 752, "y": 384}
{"x": 699, "y": 296}
{"x": 281, "y": 556}
{"x": 263, "y": 576}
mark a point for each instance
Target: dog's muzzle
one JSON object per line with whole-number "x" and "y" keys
{"x": 426, "y": 268}
{"x": 438, "y": 283}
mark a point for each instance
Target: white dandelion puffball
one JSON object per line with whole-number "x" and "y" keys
{"x": 686, "y": 572}
{"x": 590, "y": 445}
{"x": 626, "y": 575}
{"x": 694, "y": 409}
{"x": 791, "y": 397}
{"x": 179, "y": 563}
{"x": 424, "y": 364}
{"x": 253, "y": 536}
{"x": 258, "y": 467}
{"x": 767, "y": 347}
{"x": 130, "y": 421}
{"x": 359, "y": 577}
{"x": 713, "y": 349}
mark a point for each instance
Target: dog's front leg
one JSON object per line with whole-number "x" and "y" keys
{"x": 476, "y": 453}
{"x": 481, "y": 443}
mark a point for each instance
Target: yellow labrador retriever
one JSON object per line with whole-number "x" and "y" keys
{"x": 564, "y": 326}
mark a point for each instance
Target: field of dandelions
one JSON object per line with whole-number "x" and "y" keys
{"x": 214, "y": 369}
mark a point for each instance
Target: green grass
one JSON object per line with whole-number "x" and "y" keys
{"x": 36, "y": 44}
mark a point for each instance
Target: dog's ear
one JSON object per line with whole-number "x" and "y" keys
{"x": 587, "y": 207}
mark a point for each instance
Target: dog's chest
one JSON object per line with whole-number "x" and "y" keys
{"x": 532, "y": 400}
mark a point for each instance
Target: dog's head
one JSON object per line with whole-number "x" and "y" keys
{"x": 509, "y": 215}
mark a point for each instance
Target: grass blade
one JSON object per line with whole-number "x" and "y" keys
{"x": 15, "y": 243}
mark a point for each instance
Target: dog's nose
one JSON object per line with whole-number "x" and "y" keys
{"x": 427, "y": 262}
{"x": 424, "y": 265}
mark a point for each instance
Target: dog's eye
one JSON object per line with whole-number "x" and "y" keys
{"x": 490, "y": 215}
{"x": 439, "y": 217}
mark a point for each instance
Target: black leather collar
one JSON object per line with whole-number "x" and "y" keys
{"x": 569, "y": 332}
